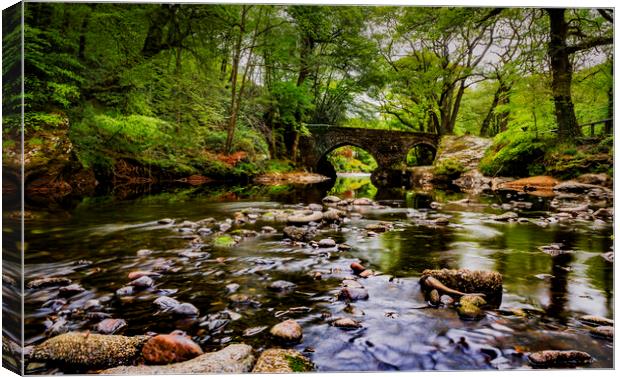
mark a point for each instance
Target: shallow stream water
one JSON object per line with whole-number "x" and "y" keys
{"x": 94, "y": 241}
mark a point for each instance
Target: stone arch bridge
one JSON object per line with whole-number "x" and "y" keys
{"x": 389, "y": 148}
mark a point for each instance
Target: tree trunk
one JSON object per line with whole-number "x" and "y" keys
{"x": 232, "y": 121}
{"x": 496, "y": 122}
{"x": 562, "y": 72}
{"x": 82, "y": 41}
{"x": 609, "y": 125}
{"x": 177, "y": 100}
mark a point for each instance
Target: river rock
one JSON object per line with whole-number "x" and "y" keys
{"x": 268, "y": 229}
{"x": 606, "y": 332}
{"x": 254, "y": 331}
{"x": 277, "y": 360}
{"x": 575, "y": 209}
{"x": 351, "y": 283}
{"x": 165, "y": 221}
{"x": 204, "y": 231}
{"x": 608, "y": 256}
{"x": 347, "y": 323}
{"x": 142, "y": 282}
{"x": 600, "y": 179}
{"x": 332, "y": 215}
{"x": 554, "y": 359}
{"x": 470, "y": 312}
{"x": 281, "y": 285}
{"x": 236, "y": 358}
{"x": 298, "y": 233}
{"x": 144, "y": 252}
{"x": 70, "y": 290}
{"x": 133, "y": 275}
{"x": 446, "y": 300}
{"x": 240, "y": 299}
{"x": 88, "y": 351}
{"x": 289, "y": 331}
{"x": 232, "y": 287}
{"x": 506, "y": 216}
{"x": 353, "y": 294}
{"x": 185, "y": 310}
{"x": 111, "y": 326}
{"x": 378, "y": 227}
{"x": 315, "y": 207}
{"x": 574, "y": 186}
{"x": 472, "y": 300}
{"x": 331, "y": 199}
{"x": 304, "y": 217}
{"x": 604, "y": 213}
{"x": 166, "y": 303}
{"x": 166, "y": 349}
{"x": 125, "y": 291}
{"x": 441, "y": 221}
{"x": 48, "y": 282}
{"x": 93, "y": 304}
{"x": 433, "y": 297}
{"x": 357, "y": 268}
{"x": 366, "y": 273}
{"x": 327, "y": 243}
{"x": 596, "y": 320}
{"x": 224, "y": 227}
{"x": 363, "y": 202}
{"x": 470, "y": 281}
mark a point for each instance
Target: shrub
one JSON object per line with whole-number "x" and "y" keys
{"x": 512, "y": 154}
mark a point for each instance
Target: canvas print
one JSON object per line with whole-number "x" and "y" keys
{"x": 261, "y": 188}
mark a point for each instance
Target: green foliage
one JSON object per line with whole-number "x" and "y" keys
{"x": 352, "y": 159}
{"x": 276, "y": 166}
{"x": 512, "y": 153}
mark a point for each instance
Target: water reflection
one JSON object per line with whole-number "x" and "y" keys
{"x": 396, "y": 335}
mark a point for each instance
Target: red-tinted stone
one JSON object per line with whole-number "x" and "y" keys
{"x": 357, "y": 268}
{"x": 167, "y": 349}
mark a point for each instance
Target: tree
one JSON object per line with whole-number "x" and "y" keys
{"x": 443, "y": 50}
{"x": 567, "y": 37}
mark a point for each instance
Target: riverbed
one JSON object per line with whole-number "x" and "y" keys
{"x": 96, "y": 241}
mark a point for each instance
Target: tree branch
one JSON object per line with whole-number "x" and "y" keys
{"x": 585, "y": 45}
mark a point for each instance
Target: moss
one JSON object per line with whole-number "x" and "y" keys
{"x": 298, "y": 364}
{"x": 223, "y": 241}
{"x": 448, "y": 167}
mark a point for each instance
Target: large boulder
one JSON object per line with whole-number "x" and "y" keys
{"x": 467, "y": 281}
{"x": 89, "y": 351}
{"x": 277, "y": 360}
{"x": 236, "y": 358}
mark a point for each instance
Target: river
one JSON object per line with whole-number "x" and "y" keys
{"x": 94, "y": 242}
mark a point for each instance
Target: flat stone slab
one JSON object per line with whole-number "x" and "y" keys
{"x": 236, "y": 358}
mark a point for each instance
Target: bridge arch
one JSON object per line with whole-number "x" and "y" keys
{"x": 424, "y": 152}
{"x": 326, "y": 168}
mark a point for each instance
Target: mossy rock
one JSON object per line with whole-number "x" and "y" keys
{"x": 223, "y": 241}
{"x": 277, "y": 360}
{"x": 87, "y": 351}
{"x": 470, "y": 312}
